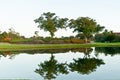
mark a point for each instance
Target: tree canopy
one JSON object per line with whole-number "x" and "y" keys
{"x": 50, "y": 22}
{"x": 85, "y": 26}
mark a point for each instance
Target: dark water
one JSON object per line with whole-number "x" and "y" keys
{"x": 67, "y": 64}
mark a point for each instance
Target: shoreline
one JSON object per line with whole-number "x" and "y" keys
{"x": 22, "y": 47}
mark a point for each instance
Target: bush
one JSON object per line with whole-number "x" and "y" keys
{"x": 7, "y": 39}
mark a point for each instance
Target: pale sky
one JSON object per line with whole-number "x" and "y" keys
{"x": 20, "y": 14}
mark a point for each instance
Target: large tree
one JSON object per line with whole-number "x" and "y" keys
{"x": 85, "y": 26}
{"x": 50, "y": 22}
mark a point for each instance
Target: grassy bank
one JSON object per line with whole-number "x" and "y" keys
{"x": 19, "y": 47}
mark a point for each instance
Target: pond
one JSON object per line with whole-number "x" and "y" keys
{"x": 100, "y": 63}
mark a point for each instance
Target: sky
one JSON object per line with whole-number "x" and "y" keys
{"x": 20, "y": 14}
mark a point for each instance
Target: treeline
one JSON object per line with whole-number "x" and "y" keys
{"x": 107, "y": 36}
{"x": 84, "y": 26}
{"x": 10, "y": 35}
{"x": 14, "y": 37}
{"x": 87, "y": 30}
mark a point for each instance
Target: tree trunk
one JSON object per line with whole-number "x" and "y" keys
{"x": 52, "y": 34}
{"x": 86, "y": 39}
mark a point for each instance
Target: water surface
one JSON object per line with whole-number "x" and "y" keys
{"x": 67, "y": 64}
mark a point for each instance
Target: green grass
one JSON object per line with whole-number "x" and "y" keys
{"x": 19, "y": 47}
{"x": 21, "y": 40}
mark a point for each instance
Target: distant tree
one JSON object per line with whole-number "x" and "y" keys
{"x": 50, "y": 22}
{"x": 10, "y": 35}
{"x": 117, "y": 38}
{"x": 106, "y": 36}
{"x": 13, "y": 34}
{"x": 110, "y": 37}
{"x": 85, "y": 26}
{"x": 3, "y": 35}
{"x": 99, "y": 38}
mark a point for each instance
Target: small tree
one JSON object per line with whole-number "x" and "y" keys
{"x": 51, "y": 23}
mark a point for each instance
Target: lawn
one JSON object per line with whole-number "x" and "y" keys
{"x": 19, "y": 47}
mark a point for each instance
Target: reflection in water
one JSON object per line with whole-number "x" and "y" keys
{"x": 107, "y": 50}
{"x": 85, "y": 65}
{"x": 12, "y": 54}
{"x": 86, "y": 51}
{"x": 50, "y": 69}
{"x": 9, "y": 53}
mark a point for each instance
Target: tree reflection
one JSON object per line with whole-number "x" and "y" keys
{"x": 85, "y": 65}
{"x": 50, "y": 69}
{"x": 86, "y": 51}
{"x": 10, "y": 54}
{"x": 107, "y": 50}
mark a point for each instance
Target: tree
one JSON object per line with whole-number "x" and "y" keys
{"x": 99, "y": 28}
{"x": 13, "y": 34}
{"x": 51, "y": 23}
{"x": 106, "y": 36}
{"x": 3, "y": 35}
{"x": 85, "y": 26}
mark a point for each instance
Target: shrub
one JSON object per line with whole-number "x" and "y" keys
{"x": 7, "y": 39}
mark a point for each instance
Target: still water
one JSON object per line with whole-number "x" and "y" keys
{"x": 67, "y": 64}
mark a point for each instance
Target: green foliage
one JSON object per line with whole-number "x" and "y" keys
{"x": 117, "y": 39}
{"x": 48, "y": 39}
{"x": 99, "y": 28}
{"x": 49, "y": 22}
{"x": 3, "y": 35}
{"x": 10, "y": 35}
{"x": 21, "y": 40}
{"x": 106, "y": 36}
{"x": 85, "y": 26}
